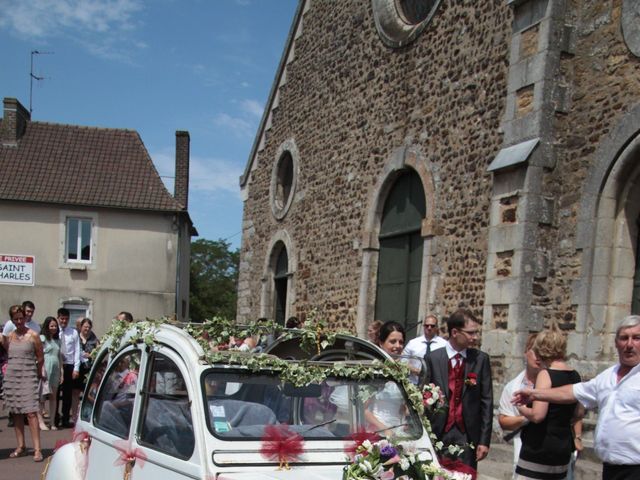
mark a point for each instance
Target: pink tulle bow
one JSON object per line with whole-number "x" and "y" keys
{"x": 127, "y": 454}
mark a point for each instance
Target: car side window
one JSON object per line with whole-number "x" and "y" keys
{"x": 114, "y": 407}
{"x": 166, "y": 423}
{"x": 89, "y": 398}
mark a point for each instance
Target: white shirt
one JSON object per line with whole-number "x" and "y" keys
{"x": 452, "y": 352}
{"x": 10, "y": 327}
{"x": 70, "y": 342}
{"x": 617, "y": 438}
{"x": 418, "y": 348}
{"x": 509, "y": 409}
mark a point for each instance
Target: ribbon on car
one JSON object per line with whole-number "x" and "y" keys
{"x": 281, "y": 444}
{"x": 128, "y": 457}
{"x": 81, "y": 441}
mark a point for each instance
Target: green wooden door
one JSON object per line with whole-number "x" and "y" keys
{"x": 400, "y": 259}
{"x": 635, "y": 299}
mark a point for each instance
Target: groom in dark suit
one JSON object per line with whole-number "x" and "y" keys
{"x": 463, "y": 374}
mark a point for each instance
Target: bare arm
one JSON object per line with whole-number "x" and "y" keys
{"x": 577, "y": 427}
{"x": 563, "y": 394}
{"x": 512, "y": 422}
{"x": 539, "y": 409}
{"x": 374, "y": 421}
{"x": 39, "y": 353}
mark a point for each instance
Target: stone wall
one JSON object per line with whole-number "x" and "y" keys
{"x": 523, "y": 122}
{"x": 349, "y": 102}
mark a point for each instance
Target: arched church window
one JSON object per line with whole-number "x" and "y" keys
{"x": 280, "y": 284}
{"x": 284, "y": 178}
{"x": 400, "y": 258}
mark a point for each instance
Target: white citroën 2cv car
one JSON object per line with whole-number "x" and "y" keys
{"x": 161, "y": 404}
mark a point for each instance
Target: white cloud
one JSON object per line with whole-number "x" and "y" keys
{"x": 239, "y": 126}
{"x": 41, "y": 18}
{"x": 103, "y": 26}
{"x": 253, "y": 107}
{"x": 206, "y": 175}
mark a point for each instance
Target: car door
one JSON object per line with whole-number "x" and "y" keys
{"x": 107, "y": 415}
{"x": 165, "y": 433}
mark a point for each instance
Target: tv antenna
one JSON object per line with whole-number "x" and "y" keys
{"x": 33, "y": 76}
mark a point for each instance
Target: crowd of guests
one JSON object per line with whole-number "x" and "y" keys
{"x": 42, "y": 371}
{"x": 541, "y": 409}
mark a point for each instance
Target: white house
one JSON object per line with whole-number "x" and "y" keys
{"x": 87, "y": 222}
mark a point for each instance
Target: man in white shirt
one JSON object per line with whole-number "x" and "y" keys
{"x": 70, "y": 343}
{"x": 615, "y": 392}
{"x": 509, "y": 417}
{"x": 29, "y": 309}
{"x": 419, "y": 346}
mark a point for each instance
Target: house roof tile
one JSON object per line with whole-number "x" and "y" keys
{"x": 78, "y": 165}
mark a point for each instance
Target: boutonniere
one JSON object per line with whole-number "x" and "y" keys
{"x": 472, "y": 380}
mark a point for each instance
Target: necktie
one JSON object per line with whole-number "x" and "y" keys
{"x": 458, "y": 361}
{"x": 429, "y": 342}
{"x": 63, "y": 344}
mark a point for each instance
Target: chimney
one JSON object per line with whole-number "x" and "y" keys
{"x": 181, "y": 183}
{"x": 14, "y": 122}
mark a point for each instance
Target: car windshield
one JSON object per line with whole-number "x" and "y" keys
{"x": 241, "y": 404}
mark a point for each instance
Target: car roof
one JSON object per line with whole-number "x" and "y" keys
{"x": 289, "y": 347}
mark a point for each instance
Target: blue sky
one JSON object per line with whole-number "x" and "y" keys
{"x": 155, "y": 66}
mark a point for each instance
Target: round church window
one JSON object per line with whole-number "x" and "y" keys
{"x": 399, "y": 22}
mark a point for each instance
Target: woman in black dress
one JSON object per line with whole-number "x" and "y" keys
{"x": 547, "y": 441}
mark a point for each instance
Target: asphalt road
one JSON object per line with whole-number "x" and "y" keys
{"x": 24, "y": 468}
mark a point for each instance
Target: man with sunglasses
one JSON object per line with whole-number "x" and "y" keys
{"x": 463, "y": 374}
{"x": 423, "y": 345}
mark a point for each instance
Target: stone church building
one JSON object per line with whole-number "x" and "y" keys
{"x": 417, "y": 156}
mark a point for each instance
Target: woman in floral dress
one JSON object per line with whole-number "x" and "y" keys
{"x": 52, "y": 363}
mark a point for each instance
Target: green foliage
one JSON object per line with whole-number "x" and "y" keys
{"x": 213, "y": 279}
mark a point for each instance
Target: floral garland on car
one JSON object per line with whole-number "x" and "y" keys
{"x": 314, "y": 335}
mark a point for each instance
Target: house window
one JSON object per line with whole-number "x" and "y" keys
{"x": 280, "y": 281}
{"x": 78, "y": 240}
{"x": 77, "y": 311}
{"x": 400, "y": 258}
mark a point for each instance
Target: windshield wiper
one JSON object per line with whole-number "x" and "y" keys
{"x": 318, "y": 425}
